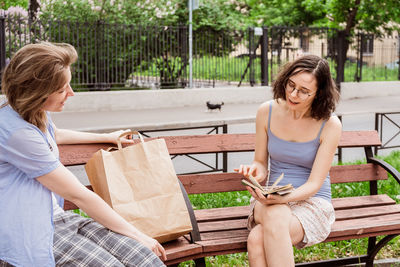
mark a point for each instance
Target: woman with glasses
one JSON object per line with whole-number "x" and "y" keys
{"x": 297, "y": 135}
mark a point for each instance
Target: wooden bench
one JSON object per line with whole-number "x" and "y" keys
{"x": 220, "y": 231}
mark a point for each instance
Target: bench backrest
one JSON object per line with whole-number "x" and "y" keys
{"x": 223, "y": 182}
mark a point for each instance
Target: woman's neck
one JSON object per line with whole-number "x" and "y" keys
{"x": 298, "y": 114}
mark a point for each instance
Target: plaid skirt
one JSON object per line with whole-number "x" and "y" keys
{"x": 5, "y": 264}
{"x": 82, "y": 242}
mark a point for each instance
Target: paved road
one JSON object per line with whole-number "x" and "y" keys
{"x": 357, "y": 114}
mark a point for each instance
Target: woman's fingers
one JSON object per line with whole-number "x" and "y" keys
{"x": 244, "y": 169}
{"x": 128, "y": 139}
{"x": 160, "y": 251}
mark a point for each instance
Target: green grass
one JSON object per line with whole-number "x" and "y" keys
{"x": 208, "y": 68}
{"x": 229, "y": 68}
{"x": 321, "y": 251}
{"x": 370, "y": 73}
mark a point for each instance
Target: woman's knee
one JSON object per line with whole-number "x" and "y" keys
{"x": 273, "y": 217}
{"x": 255, "y": 242}
{"x": 255, "y": 238}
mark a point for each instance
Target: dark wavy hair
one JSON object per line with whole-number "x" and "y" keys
{"x": 327, "y": 95}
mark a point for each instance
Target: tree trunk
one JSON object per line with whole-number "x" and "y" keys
{"x": 33, "y": 9}
{"x": 344, "y": 39}
{"x": 342, "y": 44}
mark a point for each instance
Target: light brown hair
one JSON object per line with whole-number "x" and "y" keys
{"x": 35, "y": 72}
{"x": 327, "y": 95}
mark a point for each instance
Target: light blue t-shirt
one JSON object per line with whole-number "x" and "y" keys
{"x": 26, "y": 225}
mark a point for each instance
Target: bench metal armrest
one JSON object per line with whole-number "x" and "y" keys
{"x": 195, "y": 234}
{"x": 389, "y": 168}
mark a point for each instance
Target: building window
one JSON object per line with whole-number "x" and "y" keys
{"x": 367, "y": 44}
{"x": 305, "y": 42}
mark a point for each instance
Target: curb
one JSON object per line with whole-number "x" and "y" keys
{"x": 393, "y": 262}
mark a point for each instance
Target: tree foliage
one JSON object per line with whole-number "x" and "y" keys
{"x": 230, "y": 16}
{"x": 6, "y": 4}
{"x": 379, "y": 17}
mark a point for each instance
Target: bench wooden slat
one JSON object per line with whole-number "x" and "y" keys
{"x": 80, "y": 153}
{"x": 356, "y": 227}
{"x": 225, "y": 213}
{"x": 226, "y": 182}
{"x": 179, "y": 248}
{"x": 357, "y": 173}
{"x": 236, "y": 244}
{"x": 344, "y": 209}
{"x": 212, "y": 143}
{"x": 362, "y": 235}
{"x": 362, "y": 201}
{"x": 350, "y": 228}
{"x": 359, "y": 139}
{"x": 224, "y": 234}
{"x": 222, "y": 225}
{"x": 338, "y": 203}
{"x": 372, "y": 220}
{"x": 366, "y": 212}
{"x": 212, "y": 182}
{"x": 241, "y": 219}
{"x": 245, "y": 142}
{"x": 233, "y": 240}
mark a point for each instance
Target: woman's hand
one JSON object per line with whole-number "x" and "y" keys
{"x": 256, "y": 170}
{"x": 154, "y": 246}
{"x": 268, "y": 200}
{"x": 113, "y": 137}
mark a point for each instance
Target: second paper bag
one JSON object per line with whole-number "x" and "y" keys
{"x": 139, "y": 182}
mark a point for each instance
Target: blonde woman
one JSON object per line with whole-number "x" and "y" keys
{"x": 34, "y": 229}
{"x": 296, "y": 134}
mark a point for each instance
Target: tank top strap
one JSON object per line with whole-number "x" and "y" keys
{"x": 320, "y": 130}
{"x": 269, "y": 115}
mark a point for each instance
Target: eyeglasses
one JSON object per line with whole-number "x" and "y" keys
{"x": 301, "y": 93}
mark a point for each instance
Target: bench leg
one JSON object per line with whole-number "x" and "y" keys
{"x": 369, "y": 263}
{"x": 374, "y": 248}
{"x": 200, "y": 262}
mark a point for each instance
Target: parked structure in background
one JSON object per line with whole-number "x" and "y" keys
{"x": 113, "y": 56}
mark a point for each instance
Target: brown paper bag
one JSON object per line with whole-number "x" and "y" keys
{"x": 139, "y": 182}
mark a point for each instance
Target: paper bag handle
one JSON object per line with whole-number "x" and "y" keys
{"x": 128, "y": 133}
{"x": 111, "y": 148}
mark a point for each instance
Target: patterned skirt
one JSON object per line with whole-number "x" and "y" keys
{"x": 315, "y": 214}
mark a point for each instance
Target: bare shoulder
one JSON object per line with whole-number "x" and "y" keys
{"x": 334, "y": 123}
{"x": 262, "y": 114}
{"x": 263, "y": 109}
{"x": 332, "y": 129}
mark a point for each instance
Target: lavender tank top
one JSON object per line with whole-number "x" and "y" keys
{"x": 295, "y": 160}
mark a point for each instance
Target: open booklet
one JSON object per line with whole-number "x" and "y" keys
{"x": 273, "y": 189}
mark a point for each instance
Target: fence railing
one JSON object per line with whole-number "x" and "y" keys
{"x": 388, "y": 126}
{"x": 115, "y": 56}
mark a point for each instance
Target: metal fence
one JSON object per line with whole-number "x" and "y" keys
{"x": 374, "y": 59}
{"x": 387, "y": 124}
{"x": 369, "y": 58}
{"x": 115, "y": 56}
{"x": 284, "y": 44}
